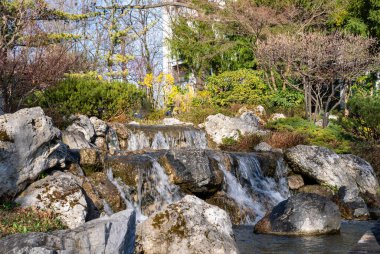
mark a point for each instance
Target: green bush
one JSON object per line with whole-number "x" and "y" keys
{"x": 239, "y": 87}
{"x": 364, "y": 117}
{"x": 88, "y": 96}
{"x": 285, "y": 101}
{"x": 333, "y": 137}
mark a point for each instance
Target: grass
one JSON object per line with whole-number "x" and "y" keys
{"x": 14, "y": 219}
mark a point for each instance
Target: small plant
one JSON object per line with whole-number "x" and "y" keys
{"x": 14, "y": 220}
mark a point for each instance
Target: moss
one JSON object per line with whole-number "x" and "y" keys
{"x": 160, "y": 219}
{"x": 4, "y": 136}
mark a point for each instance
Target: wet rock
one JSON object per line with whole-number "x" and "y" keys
{"x": 295, "y": 182}
{"x": 114, "y": 234}
{"x": 82, "y": 123}
{"x": 219, "y": 127}
{"x": 106, "y": 191}
{"x": 317, "y": 189}
{"x": 60, "y": 192}
{"x": 329, "y": 168}
{"x": 195, "y": 171}
{"x": 301, "y": 214}
{"x": 351, "y": 205}
{"x": 100, "y": 127}
{"x": 29, "y": 145}
{"x": 75, "y": 140}
{"x": 187, "y": 226}
{"x": 142, "y": 181}
{"x": 237, "y": 213}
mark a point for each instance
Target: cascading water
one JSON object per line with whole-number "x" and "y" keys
{"x": 152, "y": 183}
{"x": 164, "y": 137}
{"x": 253, "y": 191}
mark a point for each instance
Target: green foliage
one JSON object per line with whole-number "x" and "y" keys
{"x": 364, "y": 118}
{"x": 90, "y": 97}
{"x": 285, "y": 99}
{"x": 210, "y": 47}
{"x": 360, "y": 17}
{"x": 332, "y": 137}
{"x": 24, "y": 220}
{"x": 242, "y": 86}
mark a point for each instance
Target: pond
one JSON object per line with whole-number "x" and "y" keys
{"x": 351, "y": 232}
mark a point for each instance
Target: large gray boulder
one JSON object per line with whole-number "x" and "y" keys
{"x": 187, "y": 226}
{"x": 329, "y": 168}
{"x": 29, "y": 144}
{"x": 108, "y": 235}
{"x": 60, "y": 192}
{"x": 301, "y": 214}
{"x": 219, "y": 127}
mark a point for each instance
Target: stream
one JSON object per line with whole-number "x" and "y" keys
{"x": 351, "y": 232}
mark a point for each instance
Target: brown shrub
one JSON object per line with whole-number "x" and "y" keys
{"x": 244, "y": 144}
{"x": 285, "y": 139}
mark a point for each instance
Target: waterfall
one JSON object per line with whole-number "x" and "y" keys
{"x": 164, "y": 137}
{"x": 112, "y": 140}
{"x": 250, "y": 189}
{"x": 152, "y": 183}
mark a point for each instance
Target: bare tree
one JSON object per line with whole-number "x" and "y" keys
{"x": 324, "y": 66}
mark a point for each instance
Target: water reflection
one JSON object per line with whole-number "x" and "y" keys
{"x": 351, "y": 232}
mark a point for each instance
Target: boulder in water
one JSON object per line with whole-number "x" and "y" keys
{"x": 301, "y": 214}
{"x": 60, "y": 192}
{"x": 109, "y": 235}
{"x": 29, "y": 144}
{"x": 219, "y": 127}
{"x": 187, "y": 226}
{"x": 329, "y": 168}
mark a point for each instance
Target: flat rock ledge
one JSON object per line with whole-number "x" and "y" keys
{"x": 114, "y": 234}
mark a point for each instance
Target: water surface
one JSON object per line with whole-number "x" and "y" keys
{"x": 351, "y": 232}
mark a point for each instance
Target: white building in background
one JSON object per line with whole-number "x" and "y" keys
{"x": 172, "y": 65}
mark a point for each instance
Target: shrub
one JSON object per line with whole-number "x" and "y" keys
{"x": 243, "y": 144}
{"x": 88, "y": 96}
{"x": 364, "y": 117}
{"x": 24, "y": 220}
{"x": 241, "y": 86}
{"x": 286, "y": 101}
{"x": 286, "y": 139}
{"x": 333, "y": 137}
